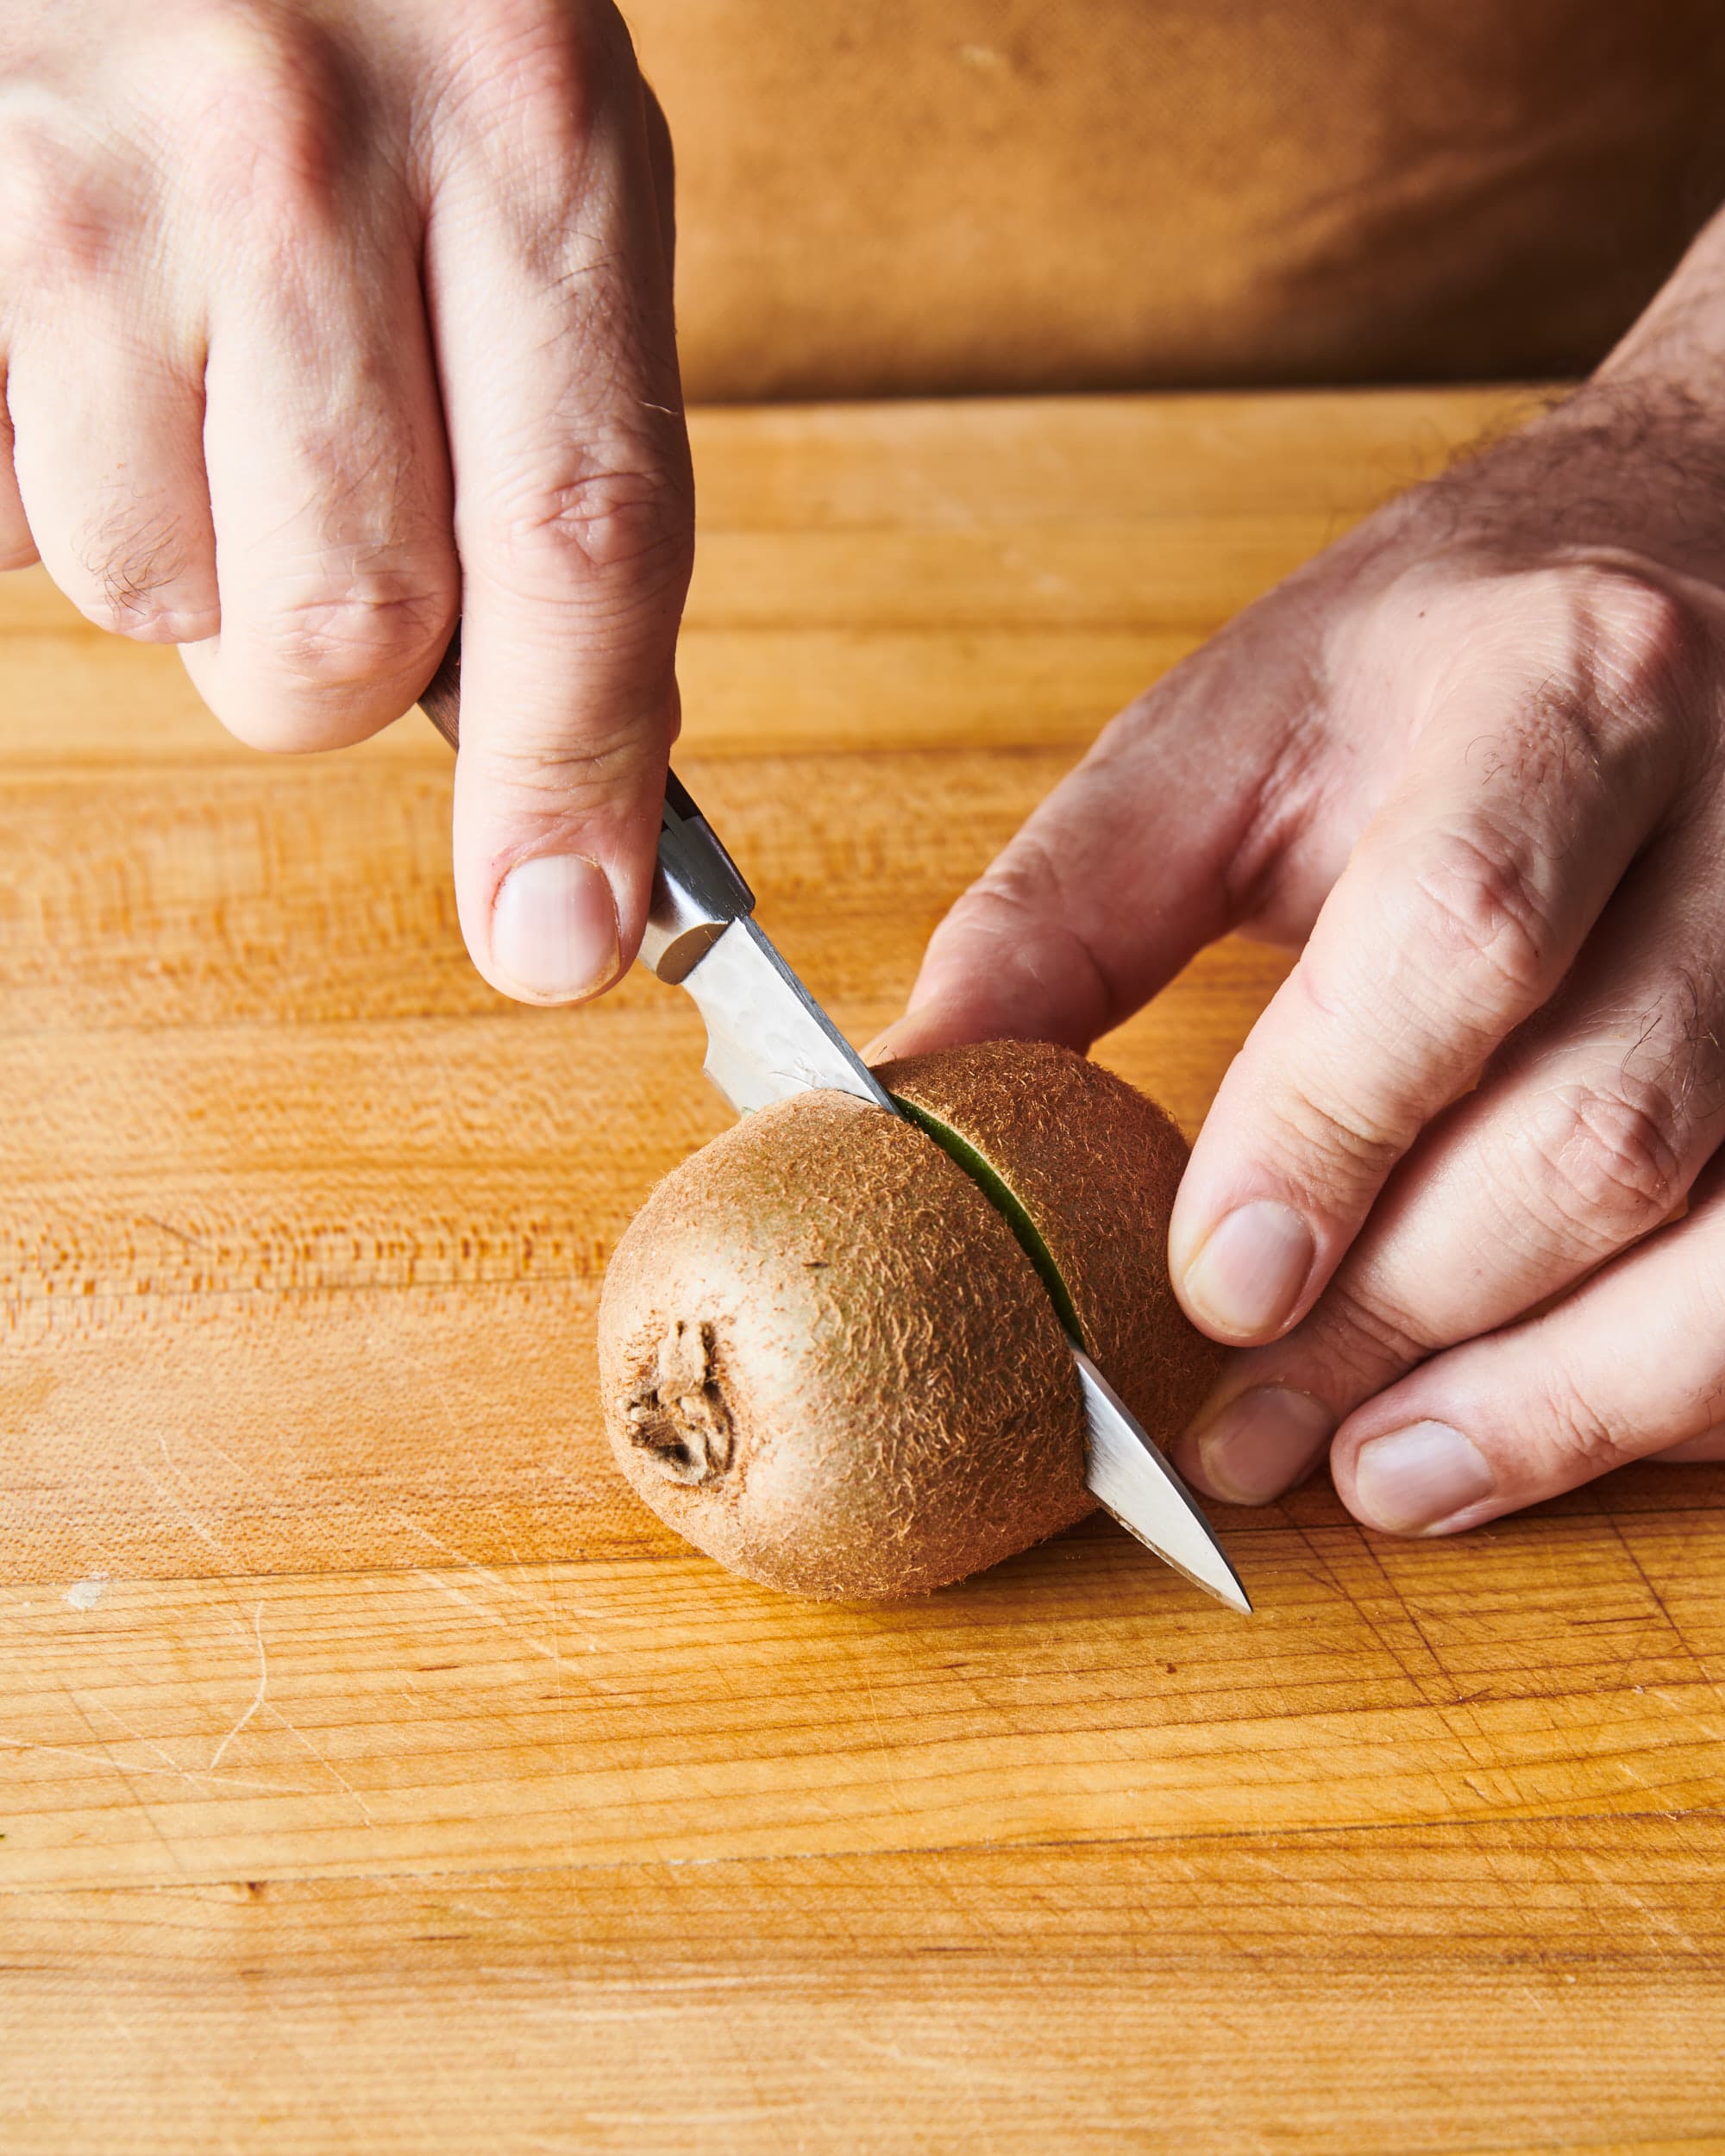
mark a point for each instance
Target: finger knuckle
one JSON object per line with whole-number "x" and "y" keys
{"x": 1475, "y": 906}
{"x": 1637, "y": 643}
{"x": 1024, "y": 884}
{"x": 1604, "y": 656}
{"x": 561, "y": 776}
{"x": 1582, "y": 1439}
{"x": 1609, "y": 1157}
{"x": 367, "y": 631}
{"x": 1341, "y": 1140}
{"x": 1361, "y": 1336}
{"x": 621, "y": 525}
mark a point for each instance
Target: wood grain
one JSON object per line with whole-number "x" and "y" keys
{"x": 1466, "y": 1986}
{"x": 375, "y": 1774}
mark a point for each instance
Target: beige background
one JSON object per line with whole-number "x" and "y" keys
{"x": 901, "y": 194}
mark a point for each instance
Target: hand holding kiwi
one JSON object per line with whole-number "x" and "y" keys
{"x": 833, "y": 1344}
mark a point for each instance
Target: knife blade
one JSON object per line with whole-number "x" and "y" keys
{"x": 768, "y": 1038}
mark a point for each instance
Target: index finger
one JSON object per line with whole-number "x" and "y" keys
{"x": 549, "y": 281}
{"x": 1156, "y": 844}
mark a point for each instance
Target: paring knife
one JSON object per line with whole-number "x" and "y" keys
{"x": 768, "y": 1038}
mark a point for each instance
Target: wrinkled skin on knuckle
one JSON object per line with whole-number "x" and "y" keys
{"x": 1641, "y": 650}
{"x": 1592, "y": 659}
{"x": 1608, "y": 1158}
{"x": 1474, "y": 917}
{"x": 372, "y": 632}
{"x": 1578, "y": 1442}
{"x": 1329, "y": 1151}
{"x": 1315, "y": 1119}
{"x": 617, "y": 531}
{"x": 562, "y": 783}
{"x": 1356, "y": 1340}
{"x": 1627, "y": 681}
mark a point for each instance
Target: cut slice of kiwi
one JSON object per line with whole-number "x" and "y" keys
{"x": 1084, "y": 1169}
{"x": 1005, "y": 1201}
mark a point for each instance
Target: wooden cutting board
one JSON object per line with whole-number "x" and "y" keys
{"x": 376, "y": 1775}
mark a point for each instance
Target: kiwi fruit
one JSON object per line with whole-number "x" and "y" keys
{"x": 1090, "y": 1166}
{"x": 834, "y": 1344}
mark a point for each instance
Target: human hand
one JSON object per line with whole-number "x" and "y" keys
{"x": 1473, "y": 759}
{"x": 320, "y": 323}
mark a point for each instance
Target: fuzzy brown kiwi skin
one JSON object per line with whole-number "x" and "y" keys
{"x": 827, "y": 1362}
{"x": 1095, "y": 1164}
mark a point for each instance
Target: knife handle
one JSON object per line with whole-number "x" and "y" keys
{"x": 698, "y": 889}
{"x": 441, "y": 702}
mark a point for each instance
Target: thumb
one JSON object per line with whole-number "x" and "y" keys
{"x": 558, "y": 795}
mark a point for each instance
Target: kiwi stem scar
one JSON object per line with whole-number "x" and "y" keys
{"x": 1005, "y": 1200}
